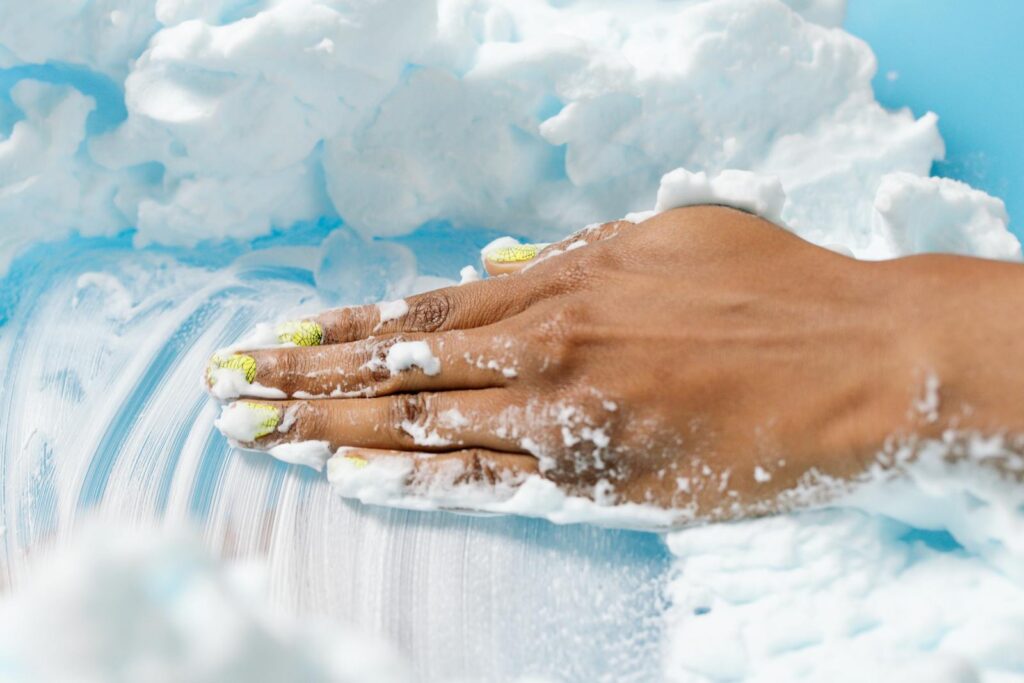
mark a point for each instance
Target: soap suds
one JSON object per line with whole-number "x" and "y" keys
{"x": 383, "y": 481}
{"x": 152, "y": 604}
{"x": 469, "y": 274}
{"x": 226, "y": 384}
{"x": 601, "y": 103}
{"x": 309, "y": 453}
{"x": 245, "y": 421}
{"x": 749, "y": 192}
{"x": 406, "y": 355}
{"x": 392, "y": 310}
{"x": 928, "y": 404}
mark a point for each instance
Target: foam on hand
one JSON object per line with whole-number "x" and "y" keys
{"x": 405, "y": 355}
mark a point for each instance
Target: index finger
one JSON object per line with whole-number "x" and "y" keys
{"x": 460, "y": 307}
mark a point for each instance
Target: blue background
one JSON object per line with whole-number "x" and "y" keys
{"x": 964, "y": 60}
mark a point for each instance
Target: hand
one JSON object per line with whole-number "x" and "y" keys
{"x": 704, "y": 361}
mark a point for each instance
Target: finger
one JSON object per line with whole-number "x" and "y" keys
{"x": 505, "y": 256}
{"x": 473, "y": 359}
{"x": 474, "y": 304}
{"x": 464, "y": 479}
{"x": 412, "y": 422}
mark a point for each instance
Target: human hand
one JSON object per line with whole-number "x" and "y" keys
{"x": 704, "y": 361}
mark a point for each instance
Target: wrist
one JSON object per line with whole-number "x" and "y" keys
{"x": 961, "y": 335}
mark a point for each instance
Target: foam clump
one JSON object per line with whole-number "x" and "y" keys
{"x": 524, "y": 116}
{"x": 837, "y": 595}
{"x": 916, "y": 214}
{"x": 153, "y": 605}
{"x": 742, "y": 190}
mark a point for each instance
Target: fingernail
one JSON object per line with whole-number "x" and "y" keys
{"x": 356, "y": 461}
{"x": 519, "y": 253}
{"x": 237, "y": 362}
{"x": 300, "y": 333}
{"x": 247, "y": 421}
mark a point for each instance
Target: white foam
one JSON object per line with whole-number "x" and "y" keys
{"x": 469, "y": 274}
{"x": 241, "y": 421}
{"x": 384, "y": 481}
{"x": 406, "y": 355}
{"x": 549, "y": 115}
{"x": 226, "y": 384}
{"x": 909, "y": 577}
{"x": 760, "y": 195}
{"x": 152, "y": 604}
{"x": 392, "y": 310}
{"x": 915, "y": 214}
{"x": 311, "y": 454}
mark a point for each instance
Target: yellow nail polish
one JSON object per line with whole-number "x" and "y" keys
{"x": 301, "y": 333}
{"x": 356, "y": 461}
{"x": 237, "y": 361}
{"x": 519, "y": 253}
{"x": 269, "y": 417}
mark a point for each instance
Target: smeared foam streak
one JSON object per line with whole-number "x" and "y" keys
{"x": 383, "y": 481}
{"x": 312, "y": 454}
{"x": 229, "y": 384}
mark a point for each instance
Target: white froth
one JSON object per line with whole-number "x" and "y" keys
{"x": 240, "y": 421}
{"x": 743, "y": 190}
{"x": 152, "y": 604}
{"x": 915, "y": 574}
{"x": 469, "y": 274}
{"x": 383, "y": 481}
{"x": 406, "y": 355}
{"x": 230, "y": 383}
{"x": 650, "y": 87}
{"x": 392, "y": 310}
{"x": 309, "y": 453}
{"x": 915, "y": 214}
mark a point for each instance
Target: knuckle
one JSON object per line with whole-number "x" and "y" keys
{"x": 310, "y": 421}
{"x": 404, "y": 410}
{"x": 573, "y": 273}
{"x": 377, "y": 367}
{"x": 282, "y": 369}
{"x": 429, "y": 312}
{"x": 478, "y": 468}
{"x": 560, "y": 334}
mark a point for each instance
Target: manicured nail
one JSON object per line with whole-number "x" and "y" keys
{"x": 238, "y": 362}
{"x": 247, "y": 421}
{"x": 301, "y": 333}
{"x": 519, "y": 253}
{"x": 356, "y": 461}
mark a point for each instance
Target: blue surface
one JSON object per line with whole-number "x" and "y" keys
{"x": 964, "y": 60}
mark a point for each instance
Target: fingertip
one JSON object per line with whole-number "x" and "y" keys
{"x": 248, "y": 421}
{"x": 506, "y": 255}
